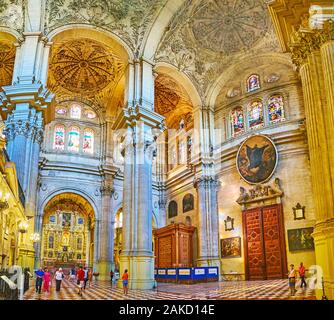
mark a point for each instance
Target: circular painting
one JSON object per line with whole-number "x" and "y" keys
{"x": 257, "y": 159}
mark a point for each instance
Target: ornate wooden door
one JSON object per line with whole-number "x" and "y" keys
{"x": 264, "y": 243}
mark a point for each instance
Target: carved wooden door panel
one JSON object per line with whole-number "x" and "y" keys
{"x": 264, "y": 243}
{"x": 254, "y": 253}
{"x": 274, "y": 244}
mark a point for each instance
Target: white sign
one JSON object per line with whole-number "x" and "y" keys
{"x": 171, "y": 272}
{"x": 161, "y": 271}
{"x": 212, "y": 271}
{"x": 199, "y": 271}
{"x": 184, "y": 272}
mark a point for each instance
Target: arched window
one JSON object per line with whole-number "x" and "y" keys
{"x": 238, "y": 120}
{"x": 59, "y": 137}
{"x": 51, "y": 242}
{"x": 188, "y": 202}
{"x": 88, "y": 141}
{"x": 75, "y": 111}
{"x": 89, "y": 114}
{"x": 61, "y": 111}
{"x": 172, "y": 209}
{"x": 73, "y": 139}
{"x": 276, "y": 108}
{"x": 253, "y": 83}
{"x": 255, "y": 114}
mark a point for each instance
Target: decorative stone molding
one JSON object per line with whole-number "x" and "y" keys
{"x": 107, "y": 188}
{"x": 206, "y": 181}
{"x": 307, "y": 40}
{"x": 261, "y": 193}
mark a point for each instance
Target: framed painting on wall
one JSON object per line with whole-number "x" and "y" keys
{"x": 300, "y": 239}
{"x": 230, "y": 247}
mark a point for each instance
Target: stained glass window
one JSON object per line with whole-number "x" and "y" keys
{"x": 73, "y": 140}
{"x": 90, "y": 114}
{"x": 75, "y": 111}
{"x": 276, "y": 108}
{"x": 88, "y": 141}
{"x": 255, "y": 114}
{"x": 61, "y": 110}
{"x": 253, "y": 83}
{"x": 59, "y": 137}
{"x": 238, "y": 120}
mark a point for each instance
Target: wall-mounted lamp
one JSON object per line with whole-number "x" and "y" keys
{"x": 299, "y": 212}
{"x": 229, "y": 224}
{"x": 23, "y": 226}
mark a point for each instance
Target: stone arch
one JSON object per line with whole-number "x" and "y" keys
{"x": 182, "y": 79}
{"x": 95, "y": 30}
{"x": 159, "y": 27}
{"x": 214, "y": 90}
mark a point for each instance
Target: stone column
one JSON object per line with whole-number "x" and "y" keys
{"x": 208, "y": 232}
{"x": 312, "y": 52}
{"x": 137, "y": 254}
{"x": 106, "y": 235}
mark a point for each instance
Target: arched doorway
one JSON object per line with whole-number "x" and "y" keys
{"x": 67, "y": 232}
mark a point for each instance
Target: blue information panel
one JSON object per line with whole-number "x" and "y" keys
{"x": 184, "y": 273}
{"x": 171, "y": 273}
{"x": 161, "y": 273}
{"x": 212, "y": 272}
{"x": 199, "y": 273}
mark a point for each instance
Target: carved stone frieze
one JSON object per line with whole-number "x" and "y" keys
{"x": 129, "y": 19}
{"x": 12, "y": 14}
{"x": 260, "y": 193}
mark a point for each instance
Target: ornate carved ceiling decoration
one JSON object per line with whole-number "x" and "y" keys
{"x": 69, "y": 202}
{"x": 229, "y": 26}
{"x": 7, "y": 59}
{"x": 130, "y": 19}
{"x": 12, "y": 14}
{"x": 84, "y": 67}
{"x": 206, "y": 36}
{"x": 172, "y": 101}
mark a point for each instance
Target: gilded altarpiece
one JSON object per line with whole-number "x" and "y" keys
{"x": 66, "y": 239}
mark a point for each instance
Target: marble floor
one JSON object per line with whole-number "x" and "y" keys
{"x": 226, "y": 290}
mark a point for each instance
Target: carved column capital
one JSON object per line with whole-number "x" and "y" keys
{"x": 107, "y": 188}
{"x": 307, "y": 40}
{"x": 206, "y": 181}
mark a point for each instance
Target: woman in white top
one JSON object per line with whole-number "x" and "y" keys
{"x": 59, "y": 275}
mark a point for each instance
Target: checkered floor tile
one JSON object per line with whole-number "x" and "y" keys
{"x": 226, "y": 290}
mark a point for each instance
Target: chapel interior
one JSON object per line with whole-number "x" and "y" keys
{"x": 168, "y": 134}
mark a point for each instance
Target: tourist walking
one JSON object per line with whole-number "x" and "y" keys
{"x": 301, "y": 272}
{"x": 59, "y": 276}
{"x": 292, "y": 279}
{"x": 90, "y": 277}
{"x": 39, "y": 279}
{"x": 47, "y": 280}
{"x": 72, "y": 274}
{"x": 85, "y": 277}
{"x": 111, "y": 273}
{"x": 80, "y": 278}
{"x": 125, "y": 280}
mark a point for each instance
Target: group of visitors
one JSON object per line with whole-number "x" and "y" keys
{"x": 292, "y": 275}
{"x": 44, "y": 278}
{"x": 82, "y": 276}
